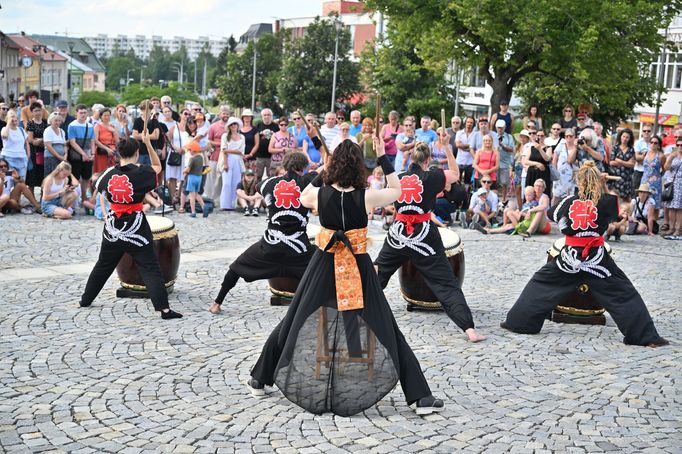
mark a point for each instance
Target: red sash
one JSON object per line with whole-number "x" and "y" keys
{"x": 120, "y": 209}
{"x": 411, "y": 219}
{"x": 585, "y": 242}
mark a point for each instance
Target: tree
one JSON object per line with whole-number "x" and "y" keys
{"x": 235, "y": 84}
{"x": 308, "y": 66}
{"x": 135, "y": 93}
{"x": 221, "y": 62}
{"x": 601, "y": 49}
{"x": 406, "y": 85}
{"x": 90, "y": 98}
{"x": 119, "y": 66}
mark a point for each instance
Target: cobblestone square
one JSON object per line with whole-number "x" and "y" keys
{"x": 115, "y": 378}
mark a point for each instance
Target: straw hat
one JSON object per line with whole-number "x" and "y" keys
{"x": 644, "y": 187}
{"x": 234, "y": 120}
{"x": 246, "y": 113}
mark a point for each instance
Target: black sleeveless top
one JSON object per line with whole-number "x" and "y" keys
{"x": 342, "y": 210}
{"x": 419, "y": 189}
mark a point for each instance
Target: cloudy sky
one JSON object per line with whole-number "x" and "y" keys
{"x": 168, "y": 18}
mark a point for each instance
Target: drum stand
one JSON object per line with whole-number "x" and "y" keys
{"x": 578, "y": 311}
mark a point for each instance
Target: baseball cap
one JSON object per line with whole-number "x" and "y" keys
{"x": 249, "y": 172}
{"x": 61, "y": 103}
{"x": 500, "y": 124}
{"x": 481, "y": 191}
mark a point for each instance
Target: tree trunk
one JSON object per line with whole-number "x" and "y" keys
{"x": 502, "y": 90}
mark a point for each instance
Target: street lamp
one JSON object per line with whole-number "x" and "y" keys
{"x": 128, "y": 77}
{"x": 37, "y": 48}
{"x": 339, "y": 26}
{"x": 69, "y": 79}
{"x": 253, "y": 82}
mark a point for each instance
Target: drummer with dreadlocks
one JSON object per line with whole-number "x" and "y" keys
{"x": 125, "y": 227}
{"x": 584, "y": 218}
{"x": 413, "y": 236}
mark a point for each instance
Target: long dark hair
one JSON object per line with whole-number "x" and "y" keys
{"x": 631, "y": 135}
{"x": 347, "y": 167}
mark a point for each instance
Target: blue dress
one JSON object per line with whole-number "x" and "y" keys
{"x": 652, "y": 176}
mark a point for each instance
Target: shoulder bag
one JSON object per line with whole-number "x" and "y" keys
{"x": 175, "y": 158}
{"x": 73, "y": 154}
{"x": 669, "y": 188}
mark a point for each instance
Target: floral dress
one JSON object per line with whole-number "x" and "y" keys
{"x": 624, "y": 186}
{"x": 565, "y": 186}
{"x": 652, "y": 175}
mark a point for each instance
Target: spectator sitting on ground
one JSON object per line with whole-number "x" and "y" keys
{"x": 91, "y": 194}
{"x": 12, "y": 189}
{"x": 480, "y": 207}
{"x": 540, "y": 222}
{"x": 619, "y": 227}
{"x": 642, "y": 213}
{"x": 248, "y": 196}
{"x": 59, "y": 194}
{"x": 511, "y": 217}
{"x": 485, "y": 217}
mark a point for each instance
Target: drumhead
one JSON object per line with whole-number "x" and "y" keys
{"x": 160, "y": 224}
{"x": 561, "y": 242}
{"x": 313, "y": 230}
{"x": 450, "y": 239}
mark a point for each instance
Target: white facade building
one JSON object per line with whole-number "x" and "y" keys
{"x": 104, "y": 45}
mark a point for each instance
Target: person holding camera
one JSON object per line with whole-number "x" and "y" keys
{"x": 537, "y": 163}
{"x": 59, "y": 194}
{"x": 591, "y": 148}
{"x": 12, "y": 189}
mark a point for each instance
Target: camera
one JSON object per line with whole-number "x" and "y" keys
{"x": 581, "y": 141}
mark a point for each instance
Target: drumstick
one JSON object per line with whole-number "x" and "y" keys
{"x": 146, "y": 115}
{"x": 613, "y": 178}
{"x": 442, "y": 121}
{"x": 378, "y": 115}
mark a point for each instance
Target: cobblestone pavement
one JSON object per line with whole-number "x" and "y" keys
{"x": 115, "y": 378}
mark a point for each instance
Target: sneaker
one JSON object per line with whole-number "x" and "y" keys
{"x": 474, "y": 220}
{"x": 478, "y": 227}
{"x": 428, "y": 405}
{"x": 247, "y": 211}
{"x": 254, "y": 212}
{"x": 27, "y": 210}
{"x": 257, "y": 388}
{"x": 39, "y": 210}
{"x": 164, "y": 209}
{"x": 192, "y": 215}
{"x": 204, "y": 212}
{"x": 464, "y": 223}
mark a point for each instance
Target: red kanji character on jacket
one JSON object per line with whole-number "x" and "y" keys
{"x": 583, "y": 215}
{"x": 411, "y": 189}
{"x": 121, "y": 189}
{"x": 287, "y": 194}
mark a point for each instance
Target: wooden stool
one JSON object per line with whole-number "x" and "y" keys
{"x": 322, "y": 354}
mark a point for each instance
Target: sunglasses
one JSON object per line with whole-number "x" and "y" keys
{"x": 408, "y": 125}
{"x": 654, "y": 142}
{"x": 20, "y": 100}
{"x": 297, "y": 118}
{"x": 283, "y": 124}
{"x": 185, "y": 113}
{"x": 3, "y": 167}
{"x": 556, "y": 129}
{"x": 568, "y": 110}
{"x": 486, "y": 182}
{"x": 4, "y": 108}
{"x": 533, "y": 133}
{"x": 646, "y": 131}
{"x": 679, "y": 145}
{"x": 340, "y": 118}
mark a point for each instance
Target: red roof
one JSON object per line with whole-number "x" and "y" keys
{"x": 26, "y": 48}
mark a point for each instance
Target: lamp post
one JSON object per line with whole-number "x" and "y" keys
{"x": 37, "y": 48}
{"x": 127, "y": 77}
{"x": 69, "y": 79}
{"x": 253, "y": 81}
{"x": 338, "y": 25}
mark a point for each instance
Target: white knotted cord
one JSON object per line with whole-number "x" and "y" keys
{"x": 125, "y": 233}
{"x": 398, "y": 239}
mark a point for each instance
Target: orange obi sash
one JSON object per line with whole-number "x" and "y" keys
{"x": 344, "y": 246}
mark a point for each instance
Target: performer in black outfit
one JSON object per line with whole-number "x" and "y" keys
{"x": 284, "y": 249}
{"x": 339, "y": 348}
{"x": 125, "y": 226}
{"x": 584, "y": 219}
{"x": 414, "y": 237}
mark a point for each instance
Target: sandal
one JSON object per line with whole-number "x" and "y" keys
{"x": 526, "y": 235}
{"x": 665, "y": 229}
{"x": 181, "y": 210}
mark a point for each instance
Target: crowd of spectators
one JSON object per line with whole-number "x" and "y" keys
{"x": 506, "y": 182}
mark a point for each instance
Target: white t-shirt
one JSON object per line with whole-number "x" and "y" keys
{"x": 464, "y": 157}
{"x": 641, "y": 146}
{"x": 337, "y": 141}
{"x": 54, "y": 137}
{"x": 329, "y": 134}
{"x": 644, "y": 207}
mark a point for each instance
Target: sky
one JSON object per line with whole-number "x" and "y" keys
{"x": 168, "y": 18}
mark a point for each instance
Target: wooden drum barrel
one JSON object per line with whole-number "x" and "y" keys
{"x": 283, "y": 288}
{"x": 580, "y": 307}
{"x": 167, "y": 249}
{"x": 412, "y": 285}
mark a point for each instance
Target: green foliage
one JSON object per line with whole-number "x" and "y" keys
{"x": 106, "y": 98}
{"x": 400, "y": 75}
{"x": 236, "y": 82}
{"x": 562, "y": 51}
{"x": 119, "y": 66}
{"x": 221, "y": 61}
{"x": 135, "y": 93}
{"x": 307, "y": 69}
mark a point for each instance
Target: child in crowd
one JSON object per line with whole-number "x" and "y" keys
{"x": 530, "y": 200}
{"x": 91, "y": 195}
{"x": 619, "y": 227}
{"x": 192, "y": 172}
{"x": 376, "y": 181}
{"x": 481, "y": 208}
{"x": 248, "y": 197}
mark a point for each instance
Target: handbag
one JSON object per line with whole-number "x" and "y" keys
{"x": 175, "y": 158}
{"x": 669, "y": 188}
{"x": 554, "y": 173}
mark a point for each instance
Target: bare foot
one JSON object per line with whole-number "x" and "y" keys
{"x": 214, "y": 309}
{"x": 473, "y": 336}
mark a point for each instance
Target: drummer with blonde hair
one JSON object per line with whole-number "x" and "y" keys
{"x": 584, "y": 218}
{"x": 125, "y": 226}
{"x": 414, "y": 237}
